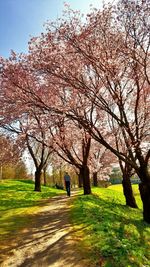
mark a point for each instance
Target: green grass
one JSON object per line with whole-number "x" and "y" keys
{"x": 18, "y": 201}
{"x": 112, "y": 234}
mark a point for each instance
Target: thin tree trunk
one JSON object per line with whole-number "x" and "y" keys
{"x": 44, "y": 176}
{"x": 86, "y": 179}
{"x": 127, "y": 187}
{"x": 1, "y": 172}
{"x": 95, "y": 182}
{"x": 60, "y": 176}
{"x": 37, "y": 180}
{"x": 53, "y": 175}
{"x": 128, "y": 192}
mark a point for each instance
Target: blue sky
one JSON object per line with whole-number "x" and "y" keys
{"x": 21, "y": 19}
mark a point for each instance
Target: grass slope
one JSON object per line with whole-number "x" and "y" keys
{"x": 112, "y": 233}
{"x": 18, "y": 202}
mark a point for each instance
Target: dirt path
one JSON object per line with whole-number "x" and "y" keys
{"x": 48, "y": 242}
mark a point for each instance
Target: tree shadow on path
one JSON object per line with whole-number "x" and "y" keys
{"x": 48, "y": 241}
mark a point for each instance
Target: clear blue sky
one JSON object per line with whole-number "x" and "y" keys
{"x": 21, "y": 19}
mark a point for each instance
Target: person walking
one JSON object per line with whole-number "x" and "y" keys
{"x": 67, "y": 183}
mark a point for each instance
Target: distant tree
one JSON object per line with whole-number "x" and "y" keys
{"x": 8, "y": 171}
{"x": 14, "y": 171}
{"x": 9, "y": 153}
{"x": 21, "y": 170}
{"x": 31, "y": 131}
{"x": 116, "y": 176}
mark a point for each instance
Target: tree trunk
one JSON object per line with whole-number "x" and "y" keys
{"x": 60, "y": 176}
{"x": 85, "y": 174}
{"x": 44, "y": 177}
{"x": 144, "y": 188}
{"x": 53, "y": 175}
{"x": 128, "y": 192}
{"x": 37, "y": 180}
{"x": 1, "y": 172}
{"x": 95, "y": 182}
{"x": 80, "y": 179}
{"x": 145, "y": 196}
{"x": 126, "y": 183}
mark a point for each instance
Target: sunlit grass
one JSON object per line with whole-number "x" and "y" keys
{"x": 18, "y": 201}
{"x": 113, "y": 234}
{"x": 135, "y": 188}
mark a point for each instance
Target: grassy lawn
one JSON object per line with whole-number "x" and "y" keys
{"x": 18, "y": 202}
{"x": 112, "y": 234}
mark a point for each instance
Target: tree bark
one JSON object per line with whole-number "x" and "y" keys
{"x": 126, "y": 183}
{"x": 145, "y": 196}
{"x": 128, "y": 192}
{"x": 44, "y": 176}
{"x": 144, "y": 188}
{"x": 95, "y": 182}
{"x": 80, "y": 179}
{"x": 85, "y": 174}
{"x": 37, "y": 180}
{"x": 1, "y": 172}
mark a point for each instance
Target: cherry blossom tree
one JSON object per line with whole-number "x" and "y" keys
{"x": 31, "y": 134}
{"x": 102, "y": 61}
{"x": 109, "y": 64}
{"x": 101, "y": 161}
{"x": 9, "y": 151}
{"x": 72, "y": 144}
